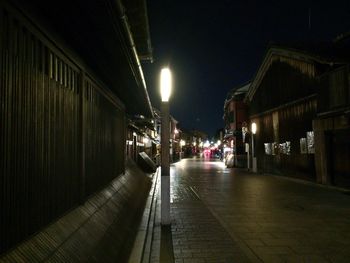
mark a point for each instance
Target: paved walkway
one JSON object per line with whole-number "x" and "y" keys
{"x": 198, "y": 236}
{"x": 229, "y": 215}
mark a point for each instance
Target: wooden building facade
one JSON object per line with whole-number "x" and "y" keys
{"x": 235, "y": 118}
{"x": 283, "y": 102}
{"x": 62, "y": 120}
{"x": 332, "y": 128}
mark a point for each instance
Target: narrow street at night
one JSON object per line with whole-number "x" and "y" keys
{"x": 159, "y": 131}
{"x": 230, "y": 215}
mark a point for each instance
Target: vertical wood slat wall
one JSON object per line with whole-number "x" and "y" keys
{"x": 334, "y": 89}
{"x": 40, "y": 140}
{"x": 284, "y": 84}
{"x": 300, "y": 115}
{"x": 104, "y": 138}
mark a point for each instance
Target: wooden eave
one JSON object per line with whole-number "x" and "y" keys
{"x": 97, "y": 33}
{"x": 138, "y": 19}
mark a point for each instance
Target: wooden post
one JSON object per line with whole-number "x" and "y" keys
{"x": 81, "y": 141}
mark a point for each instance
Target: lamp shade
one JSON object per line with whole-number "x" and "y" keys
{"x": 165, "y": 84}
{"x": 254, "y": 128}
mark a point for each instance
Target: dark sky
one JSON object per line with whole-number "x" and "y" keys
{"x": 214, "y": 46}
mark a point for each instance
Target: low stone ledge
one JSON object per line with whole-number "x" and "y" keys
{"x": 101, "y": 230}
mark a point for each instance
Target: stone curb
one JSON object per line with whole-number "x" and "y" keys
{"x": 141, "y": 251}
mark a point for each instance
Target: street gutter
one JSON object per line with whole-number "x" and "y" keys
{"x": 141, "y": 250}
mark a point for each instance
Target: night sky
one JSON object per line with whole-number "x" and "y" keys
{"x": 215, "y": 46}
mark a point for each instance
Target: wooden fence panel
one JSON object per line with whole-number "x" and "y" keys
{"x": 41, "y": 118}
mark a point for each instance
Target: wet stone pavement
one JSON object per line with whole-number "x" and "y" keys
{"x": 228, "y": 215}
{"x": 198, "y": 236}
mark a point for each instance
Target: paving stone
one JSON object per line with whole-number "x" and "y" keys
{"x": 254, "y": 242}
{"x": 276, "y": 250}
{"x": 194, "y": 260}
{"x": 315, "y": 258}
{"x": 280, "y": 242}
{"x": 302, "y": 250}
{"x": 229, "y": 215}
{"x": 197, "y": 235}
{"x": 270, "y": 258}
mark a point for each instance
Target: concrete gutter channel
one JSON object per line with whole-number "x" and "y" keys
{"x": 141, "y": 251}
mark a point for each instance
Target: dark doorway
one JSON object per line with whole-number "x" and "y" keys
{"x": 340, "y": 158}
{"x": 134, "y": 145}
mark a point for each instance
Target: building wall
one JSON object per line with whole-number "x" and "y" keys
{"x": 62, "y": 134}
{"x": 241, "y": 116}
{"x": 332, "y": 129}
{"x": 334, "y": 90}
{"x": 235, "y": 115}
{"x": 281, "y": 84}
{"x": 286, "y": 124}
{"x": 229, "y": 116}
{"x": 134, "y": 143}
{"x": 283, "y": 107}
{"x": 104, "y": 138}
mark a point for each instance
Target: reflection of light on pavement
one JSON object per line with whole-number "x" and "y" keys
{"x": 173, "y": 182}
{"x": 183, "y": 173}
{"x": 219, "y": 165}
{"x": 180, "y": 175}
{"x": 181, "y": 164}
{"x": 207, "y": 165}
{"x": 206, "y": 156}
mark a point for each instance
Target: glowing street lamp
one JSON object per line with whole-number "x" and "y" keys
{"x": 254, "y": 129}
{"x": 165, "y": 90}
{"x": 165, "y": 84}
{"x": 145, "y": 140}
{"x": 182, "y": 143}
